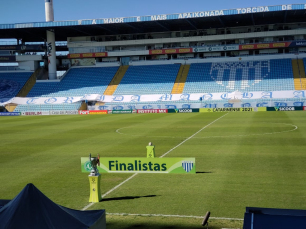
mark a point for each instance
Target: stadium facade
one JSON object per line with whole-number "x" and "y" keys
{"x": 245, "y": 57}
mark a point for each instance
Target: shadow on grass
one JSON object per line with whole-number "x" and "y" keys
{"x": 127, "y": 198}
{"x": 203, "y": 172}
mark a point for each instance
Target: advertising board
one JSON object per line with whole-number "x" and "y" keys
{"x": 248, "y": 109}
{"x": 264, "y": 45}
{"x": 142, "y": 165}
{"x": 148, "y": 111}
{"x": 83, "y": 112}
{"x": 170, "y": 51}
{"x": 31, "y": 113}
{"x": 7, "y": 58}
{"x": 93, "y": 112}
{"x": 10, "y": 113}
{"x": 87, "y": 55}
{"x": 289, "y": 108}
{"x": 64, "y": 112}
{"x": 83, "y": 62}
{"x": 98, "y": 112}
{"x": 183, "y": 110}
{"x": 123, "y": 111}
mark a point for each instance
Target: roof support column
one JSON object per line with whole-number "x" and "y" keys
{"x": 51, "y": 54}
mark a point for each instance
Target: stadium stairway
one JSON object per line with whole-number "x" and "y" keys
{"x": 24, "y": 91}
{"x": 179, "y": 83}
{"x": 116, "y": 80}
{"x": 299, "y": 74}
{"x": 83, "y": 106}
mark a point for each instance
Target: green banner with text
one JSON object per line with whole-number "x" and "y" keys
{"x": 141, "y": 165}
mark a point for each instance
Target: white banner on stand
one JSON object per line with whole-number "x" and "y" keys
{"x": 204, "y": 97}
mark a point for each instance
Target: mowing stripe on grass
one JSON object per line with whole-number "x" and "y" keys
{"x": 193, "y": 135}
{"x": 89, "y": 205}
{"x": 176, "y": 216}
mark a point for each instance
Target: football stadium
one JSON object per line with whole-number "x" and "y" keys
{"x": 159, "y": 121}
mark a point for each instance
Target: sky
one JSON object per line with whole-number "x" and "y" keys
{"x": 21, "y": 11}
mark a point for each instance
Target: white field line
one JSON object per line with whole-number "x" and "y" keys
{"x": 225, "y": 136}
{"x": 176, "y": 216}
{"x": 89, "y": 205}
{"x": 193, "y": 135}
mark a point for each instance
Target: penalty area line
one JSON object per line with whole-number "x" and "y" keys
{"x": 174, "y": 216}
{"x": 113, "y": 189}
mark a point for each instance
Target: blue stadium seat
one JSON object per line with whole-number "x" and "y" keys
{"x": 12, "y": 82}
{"x": 77, "y": 82}
{"x": 152, "y": 79}
{"x": 262, "y": 75}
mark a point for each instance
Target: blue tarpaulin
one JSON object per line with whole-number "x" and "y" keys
{"x": 32, "y": 209}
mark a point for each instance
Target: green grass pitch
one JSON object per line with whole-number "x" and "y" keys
{"x": 253, "y": 159}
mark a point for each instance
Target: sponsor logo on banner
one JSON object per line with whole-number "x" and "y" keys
{"x": 29, "y": 113}
{"x": 142, "y": 165}
{"x": 300, "y": 43}
{"x": 248, "y": 109}
{"x": 98, "y": 112}
{"x": 84, "y": 112}
{"x": 147, "y": 111}
{"x": 22, "y": 47}
{"x": 83, "y": 62}
{"x": 304, "y": 108}
{"x": 122, "y": 112}
{"x": 7, "y": 58}
{"x": 183, "y": 110}
{"x": 170, "y": 51}
{"x": 64, "y": 112}
{"x": 284, "y": 108}
{"x": 216, "y": 48}
{"x": 265, "y": 46}
{"x": 10, "y": 113}
{"x": 87, "y": 55}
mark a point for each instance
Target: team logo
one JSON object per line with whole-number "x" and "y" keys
{"x": 239, "y": 75}
{"x": 87, "y": 166}
{"x": 187, "y": 166}
{"x": 8, "y": 88}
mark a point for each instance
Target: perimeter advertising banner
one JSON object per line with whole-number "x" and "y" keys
{"x": 141, "y": 165}
{"x": 183, "y": 110}
{"x": 123, "y": 111}
{"x": 31, "y": 113}
{"x": 98, "y": 112}
{"x": 22, "y": 47}
{"x": 83, "y": 62}
{"x": 304, "y": 108}
{"x": 265, "y": 46}
{"x": 87, "y": 55}
{"x": 93, "y": 112}
{"x": 284, "y": 108}
{"x": 7, "y": 58}
{"x": 226, "y": 109}
{"x": 10, "y": 113}
{"x": 170, "y": 51}
{"x": 148, "y": 111}
{"x": 64, "y": 112}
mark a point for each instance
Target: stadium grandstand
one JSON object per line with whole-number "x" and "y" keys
{"x": 250, "y": 57}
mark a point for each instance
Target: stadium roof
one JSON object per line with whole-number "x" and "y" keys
{"x": 36, "y": 31}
